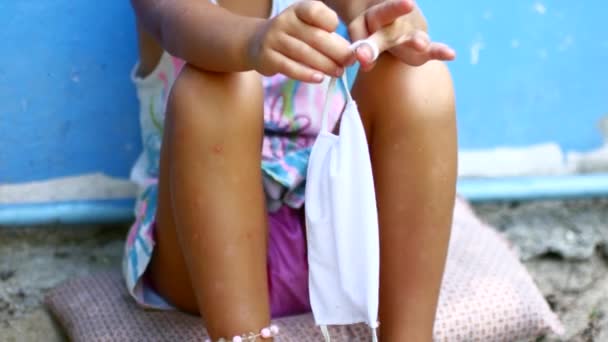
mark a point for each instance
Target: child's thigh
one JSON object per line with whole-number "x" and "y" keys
{"x": 205, "y": 111}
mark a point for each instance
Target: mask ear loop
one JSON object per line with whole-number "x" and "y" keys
{"x": 332, "y": 83}
{"x": 369, "y": 42}
{"x": 330, "y": 89}
{"x": 374, "y": 331}
{"x": 325, "y": 333}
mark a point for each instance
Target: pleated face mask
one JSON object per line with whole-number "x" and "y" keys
{"x": 342, "y": 222}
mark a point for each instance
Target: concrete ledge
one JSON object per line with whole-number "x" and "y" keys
{"x": 97, "y": 211}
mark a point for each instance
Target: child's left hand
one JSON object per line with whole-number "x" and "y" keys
{"x": 396, "y": 26}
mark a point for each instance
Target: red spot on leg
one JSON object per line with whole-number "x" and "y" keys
{"x": 217, "y": 148}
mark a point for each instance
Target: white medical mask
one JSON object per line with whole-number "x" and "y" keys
{"x": 342, "y": 222}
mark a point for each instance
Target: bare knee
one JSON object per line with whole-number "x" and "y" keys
{"x": 216, "y": 103}
{"x": 403, "y": 96}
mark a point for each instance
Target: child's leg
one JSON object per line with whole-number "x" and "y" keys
{"x": 212, "y": 219}
{"x": 410, "y": 120}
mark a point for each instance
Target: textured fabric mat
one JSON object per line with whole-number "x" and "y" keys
{"x": 486, "y": 295}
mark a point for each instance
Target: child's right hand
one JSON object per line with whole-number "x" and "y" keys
{"x": 399, "y": 27}
{"x": 301, "y": 44}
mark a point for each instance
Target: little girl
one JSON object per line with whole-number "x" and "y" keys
{"x": 229, "y": 86}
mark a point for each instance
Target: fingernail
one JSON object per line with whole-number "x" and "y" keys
{"x": 339, "y": 71}
{"x": 364, "y": 53}
{"x": 317, "y": 77}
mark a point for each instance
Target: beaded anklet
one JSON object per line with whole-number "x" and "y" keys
{"x": 265, "y": 333}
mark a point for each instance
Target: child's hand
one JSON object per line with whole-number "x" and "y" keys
{"x": 393, "y": 26}
{"x": 301, "y": 44}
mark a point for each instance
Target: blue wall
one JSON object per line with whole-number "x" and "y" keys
{"x": 67, "y": 105}
{"x": 541, "y": 74}
{"x": 527, "y": 72}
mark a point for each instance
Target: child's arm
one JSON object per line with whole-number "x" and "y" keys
{"x": 205, "y": 35}
{"x": 298, "y": 43}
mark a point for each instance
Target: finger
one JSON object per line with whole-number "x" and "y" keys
{"x": 357, "y": 29}
{"x": 295, "y": 70}
{"x": 419, "y": 41}
{"x": 377, "y": 16}
{"x": 390, "y": 36}
{"x": 366, "y": 53}
{"x": 307, "y": 55}
{"x": 384, "y": 39}
{"x": 364, "y": 56}
{"x": 386, "y": 13}
{"x": 441, "y": 52}
{"x": 329, "y": 44}
{"x": 317, "y": 14}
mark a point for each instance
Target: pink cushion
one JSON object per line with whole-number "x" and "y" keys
{"x": 486, "y": 295}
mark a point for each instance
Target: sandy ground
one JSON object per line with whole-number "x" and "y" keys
{"x": 563, "y": 244}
